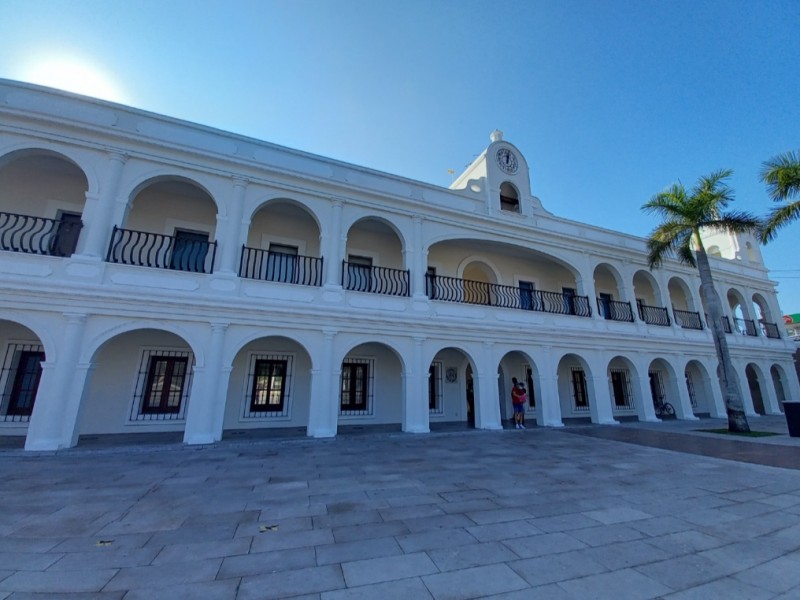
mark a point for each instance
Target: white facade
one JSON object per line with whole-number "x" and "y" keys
{"x": 162, "y": 276}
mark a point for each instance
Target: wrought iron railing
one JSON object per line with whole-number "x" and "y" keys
{"x": 37, "y": 235}
{"x": 746, "y": 326}
{"x": 144, "y": 249}
{"x": 467, "y": 291}
{"x": 654, "y": 315}
{"x": 770, "y": 330}
{"x": 614, "y": 310}
{"x": 687, "y": 319}
{"x": 726, "y": 323}
{"x": 376, "y": 280}
{"x": 279, "y": 267}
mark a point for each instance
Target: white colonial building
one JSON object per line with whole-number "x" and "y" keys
{"x": 161, "y": 276}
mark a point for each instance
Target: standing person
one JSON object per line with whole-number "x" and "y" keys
{"x": 518, "y": 399}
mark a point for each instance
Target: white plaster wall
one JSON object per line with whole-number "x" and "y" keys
{"x": 382, "y": 245}
{"x": 388, "y": 391}
{"x": 41, "y": 186}
{"x": 454, "y": 398}
{"x": 107, "y": 402}
{"x": 547, "y": 275}
{"x": 239, "y": 394}
{"x": 605, "y": 283}
{"x": 159, "y": 210}
{"x": 284, "y": 224}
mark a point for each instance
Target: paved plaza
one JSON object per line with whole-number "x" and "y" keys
{"x": 541, "y": 513}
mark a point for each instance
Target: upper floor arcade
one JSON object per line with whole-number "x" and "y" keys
{"x": 284, "y": 219}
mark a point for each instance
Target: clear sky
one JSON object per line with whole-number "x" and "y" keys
{"x": 610, "y": 101}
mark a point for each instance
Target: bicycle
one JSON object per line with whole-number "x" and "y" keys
{"x": 663, "y": 409}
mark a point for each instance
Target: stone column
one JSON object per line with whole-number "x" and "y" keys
{"x": 600, "y": 400}
{"x": 323, "y": 410}
{"x": 99, "y": 211}
{"x": 416, "y": 414}
{"x": 740, "y": 371}
{"x": 335, "y": 244}
{"x": 487, "y": 407}
{"x": 54, "y": 421}
{"x": 419, "y": 266}
{"x": 643, "y": 396}
{"x": 683, "y": 407}
{"x": 549, "y": 403}
{"x": 230, "y": 227}
{"x": 206, "y": 410}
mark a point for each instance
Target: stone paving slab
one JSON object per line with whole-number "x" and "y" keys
{"x": 428, "y": 516}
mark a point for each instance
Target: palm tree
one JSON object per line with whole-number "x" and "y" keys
{"x": 685, "y": 215}
{"x": 782, "y": 176}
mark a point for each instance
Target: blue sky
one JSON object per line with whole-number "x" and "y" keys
{"x": 609, "y": 101}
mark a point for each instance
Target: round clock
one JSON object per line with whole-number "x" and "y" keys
{"x": 507, "y": 161}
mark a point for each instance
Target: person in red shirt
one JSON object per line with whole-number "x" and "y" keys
{"x": 518, "y": 399}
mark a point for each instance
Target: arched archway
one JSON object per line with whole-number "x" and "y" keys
{"x": 374, "y": 259}
{"x": 509, "y": 197}
{"x": 22, "y": 353}
{"x": 141, "y": 383}
{"x": 372, "y": 387}
{"x": 170, "y": 224}
{"x": 269, "y": 387}
{"x": 573, "y": 387}
{"x": 780, "y": 383}
{"x": 698, "y": 386}
{"x": 664, "y": 391}
{"x": 283, "y": 245}
{"x": 621, "y": 372}
{"x": 755, "y": 381}
{"x": 41, "y": 208}
{"x": 519, "y": 366}
{"x": 608, "y": 286}
{"x": 451, "y": 388}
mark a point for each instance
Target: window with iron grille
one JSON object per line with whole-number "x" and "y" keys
{"x": 268, "y": 386}
{"x": 357, "y": 383}
{"x": 529, "y": 383}
{"x": 621, "y": 388}
{"x": 162, "y": 385}
{"x": 690, "y": 388}
{"x": 657, "y": 388}
{"x": 580, "y": 397}
{"x": 19, "y": 380}
{"x": 435, "y": 404}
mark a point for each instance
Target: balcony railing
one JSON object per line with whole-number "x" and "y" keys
{"x": 770, "y": 330}
{"x": 279, "y": 267}
{"x": 467, "y": 291}
{"x": 746, "y": 326}
{"x": 376, "y": 280}
{"x": 614, "y": 310}
{"x": 687, "y": 319}
{"x": 654, "y": 315}
{"x": 37, "y": 235}
{"x": 144, "y": 249}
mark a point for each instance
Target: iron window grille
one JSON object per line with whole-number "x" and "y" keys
{"x": 657, "y": 388}
{"x": 621, "y": 388}
{"x": 435, "y": 404}
{"x": 580, "y": 396}
{"x": 690, "y": 388}
{"x": 268, "y": 389}
{"x": 19, "y": 381}
{"x": 357, "y": 383}
{"x": 529, "y": 383}
{"x": 162, "y": 385}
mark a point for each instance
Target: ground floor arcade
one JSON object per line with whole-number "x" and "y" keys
{"x": 68, "y": 375}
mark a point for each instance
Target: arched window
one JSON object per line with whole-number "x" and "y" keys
{"x": 714, "y": 251}
{"x": 509, "y": 198}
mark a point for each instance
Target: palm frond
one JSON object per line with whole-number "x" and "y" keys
{"x": 667, "y": 239}
{"x": 779, "y": 217}
{"x": 736, "y": 221}
{"x": 781, "y": 174}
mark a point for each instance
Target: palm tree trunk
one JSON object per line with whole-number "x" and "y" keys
{"x": 731, "y": 391}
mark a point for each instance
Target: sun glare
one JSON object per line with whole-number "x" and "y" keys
{"x": 74, "y": 76}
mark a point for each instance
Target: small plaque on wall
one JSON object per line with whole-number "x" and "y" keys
{"x": 451, "y": 375}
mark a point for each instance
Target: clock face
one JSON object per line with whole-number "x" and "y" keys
{"x": 507, "y": 161}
